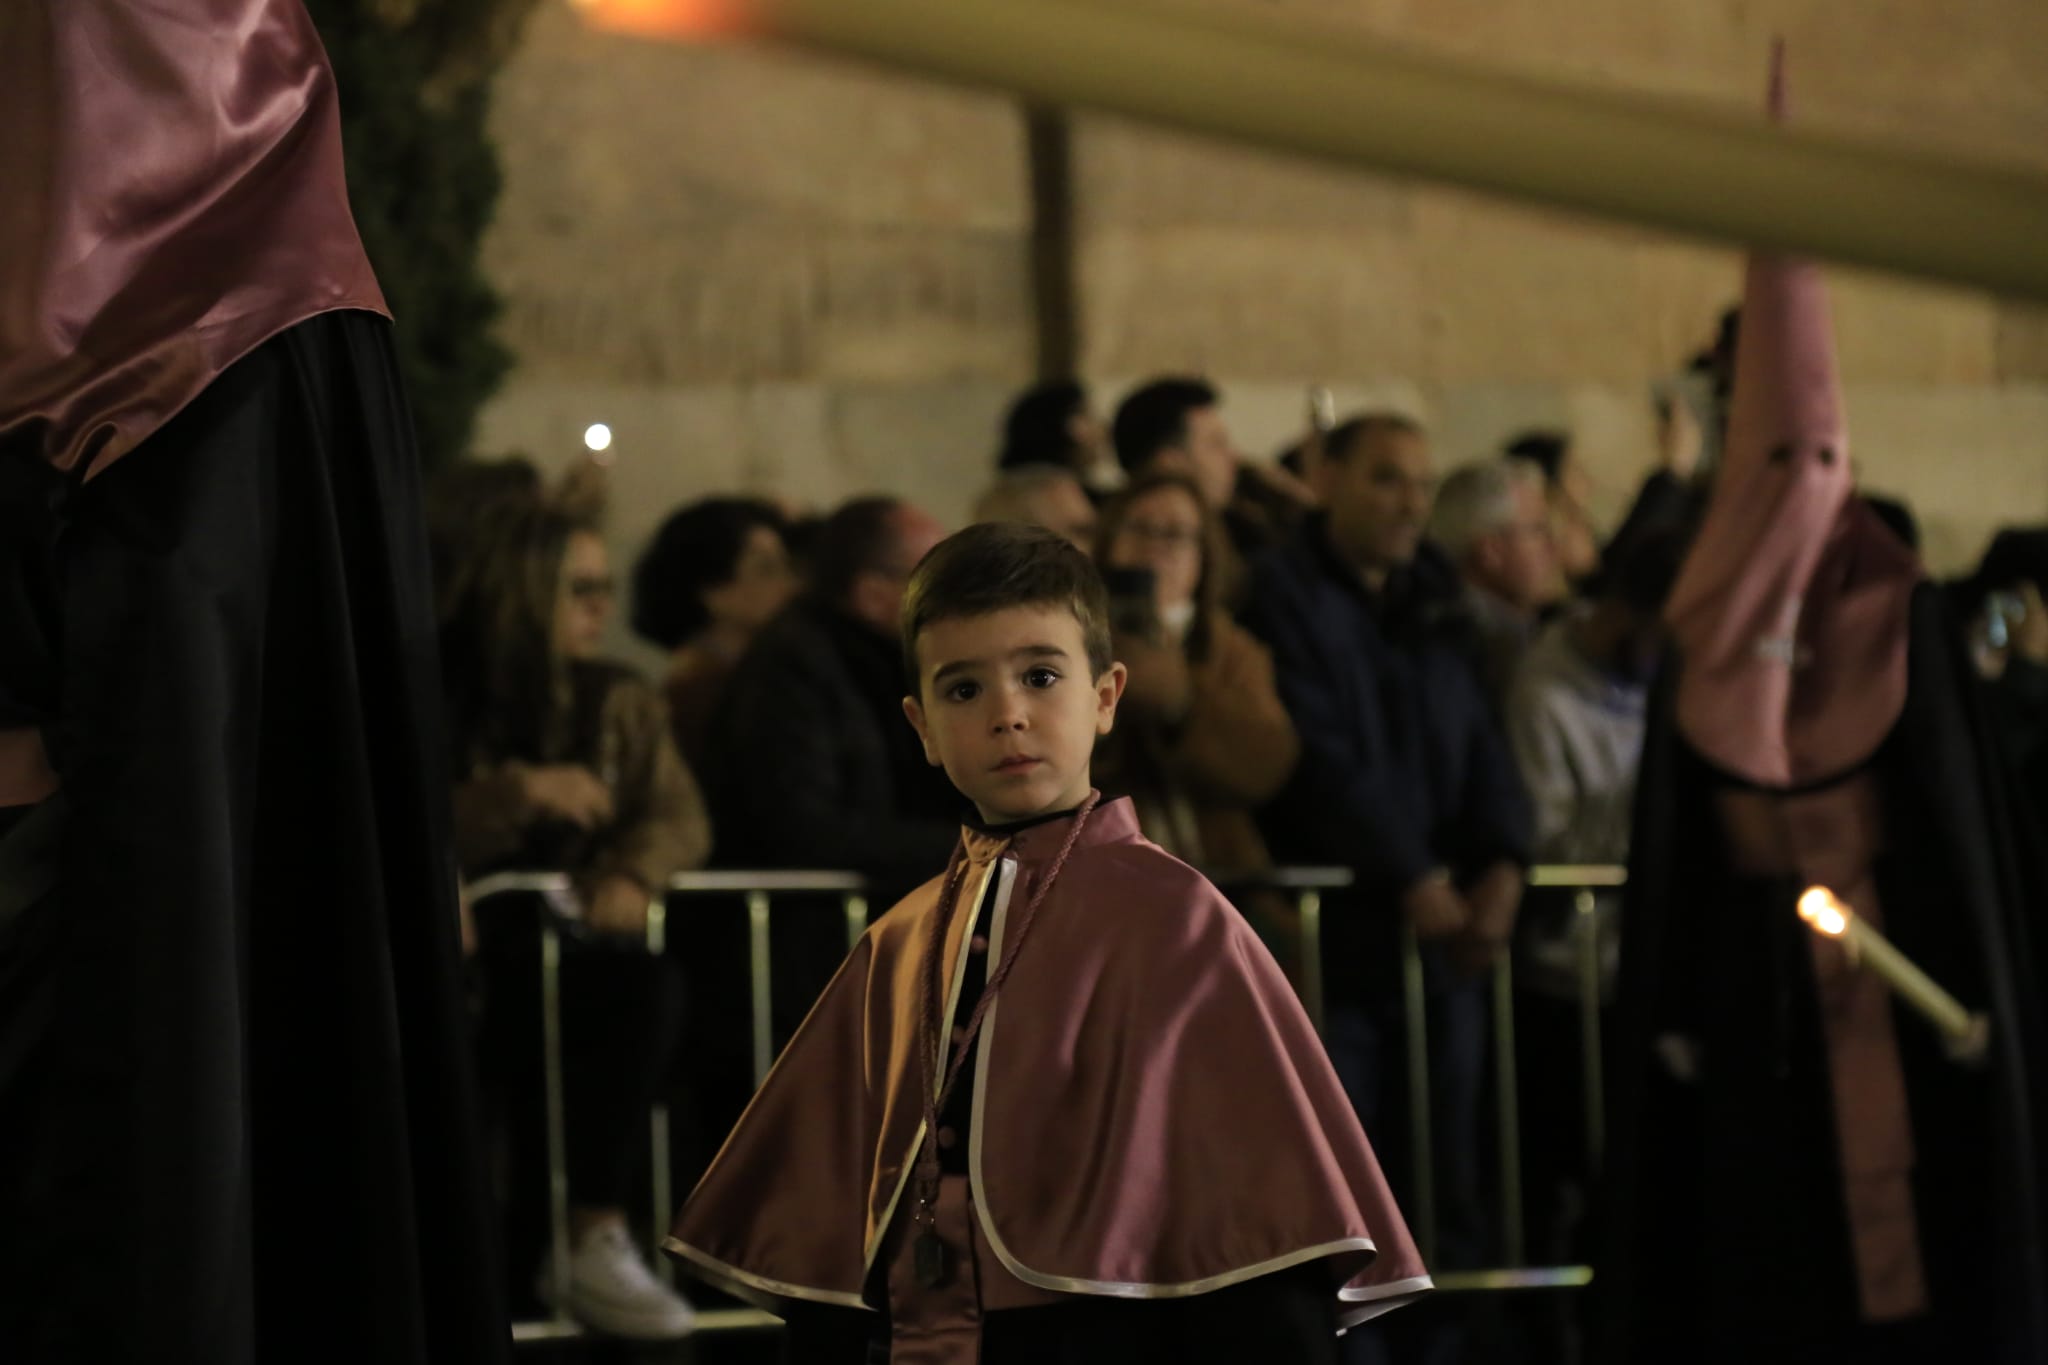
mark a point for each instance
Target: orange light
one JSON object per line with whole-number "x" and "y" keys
{"x": 685, "y": 19}
{"x": 1820, "y": 908}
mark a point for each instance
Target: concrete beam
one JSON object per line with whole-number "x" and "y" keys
{"x": 1661, "y": 164}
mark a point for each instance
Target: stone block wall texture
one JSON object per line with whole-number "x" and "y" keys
{"x": 773, "y": 271}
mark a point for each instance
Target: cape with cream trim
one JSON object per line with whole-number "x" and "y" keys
{"x": 1153, "y": 1115}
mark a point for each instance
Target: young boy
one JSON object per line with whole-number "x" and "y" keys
{"x": 1060, "y": 1104}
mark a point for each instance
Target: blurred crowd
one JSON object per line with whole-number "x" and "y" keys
{"x": 1357, "y": 654}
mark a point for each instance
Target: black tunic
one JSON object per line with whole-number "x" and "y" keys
{"x": 236, "y": 1124}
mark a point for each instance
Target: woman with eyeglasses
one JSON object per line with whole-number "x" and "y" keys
{"x": 1202, "y": 738}
{"x": 564, "y": 763}
{"x": 715, "y": 573}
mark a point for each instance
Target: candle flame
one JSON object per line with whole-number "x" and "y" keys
{"x": 1820, "y": 908}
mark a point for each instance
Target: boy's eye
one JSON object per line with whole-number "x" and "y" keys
{"x": 1041, "y": 677}
{"x": 963, "y": 691}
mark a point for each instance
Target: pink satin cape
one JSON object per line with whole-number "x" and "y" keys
{"x": 1153, "y": 1115}
{"x": 174, "y": 198}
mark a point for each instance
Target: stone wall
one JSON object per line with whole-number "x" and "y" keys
{"x": 763, "y": 271}
{"x": 774, "y": 271}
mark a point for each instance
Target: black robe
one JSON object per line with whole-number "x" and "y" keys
{"x": 1726, "y": 1231}
{"x": 236, "y": 1120}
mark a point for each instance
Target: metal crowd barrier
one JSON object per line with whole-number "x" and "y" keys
{"x": 1308, "y": 885}
{"x": 556, "y": 893}
{"x": 1585, "y": 881}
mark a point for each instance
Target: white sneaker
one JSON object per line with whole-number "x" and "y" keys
{"x": 611, "y": 1290}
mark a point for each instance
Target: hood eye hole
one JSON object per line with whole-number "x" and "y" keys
{"x": 1827, "y": 455}
{"x": 1781, "y": 455}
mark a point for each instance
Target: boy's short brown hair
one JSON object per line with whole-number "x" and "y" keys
{"x": 998, "y": 565}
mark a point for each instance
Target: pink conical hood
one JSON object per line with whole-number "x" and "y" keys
{"x": 1790, "y": 610}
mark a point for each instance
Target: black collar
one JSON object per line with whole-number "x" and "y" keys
{"x": 974, "y": 822}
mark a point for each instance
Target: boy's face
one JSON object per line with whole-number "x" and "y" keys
{"x": 1007, "y": 706}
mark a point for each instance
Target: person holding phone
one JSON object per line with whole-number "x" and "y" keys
{"x": 563, "y": 761}
{"x": 1205, "y": 738}
{"x": 2007, "y": 626}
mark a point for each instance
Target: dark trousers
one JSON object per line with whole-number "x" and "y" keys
{"x": 237, "y": 1125}
{"x": 1368, "y": 1045}
{"x": 621, "y": 1014}
{"x": 1287, "y": 1318}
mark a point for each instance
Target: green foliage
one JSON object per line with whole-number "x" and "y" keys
{"x": 423, "y": 181}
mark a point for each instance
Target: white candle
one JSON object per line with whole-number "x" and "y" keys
{"x": 1967, "y": 1034}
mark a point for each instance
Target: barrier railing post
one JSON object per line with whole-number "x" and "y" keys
{"x": 1592, "y": 1072}
{"x": 1422, "y": 1160}
{"x": 558, "y": 1143}
{"x": 856, "y": 907}
{"x": 660, "y": 1178}
{"x": 1508, "y": 1101}
{"x": 757, "y": 968}
{"x": 1309, "y": 908}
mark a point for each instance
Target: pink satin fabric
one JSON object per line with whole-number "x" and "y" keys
{"x": 174, "y": 192}
{"x": 1832, "y": 838}
{"x": 1153, "y": 1113}
{"x": 173, "y": 198}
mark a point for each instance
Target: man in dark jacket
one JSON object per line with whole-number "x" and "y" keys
{"x": 1405, "y": 780}
{"x": 1177, "y": 424}
{"x": 812, "y": 763}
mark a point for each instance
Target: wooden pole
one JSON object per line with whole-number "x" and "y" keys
{"x": 1049, "y": 135}
{"x": 1680, "y": 168}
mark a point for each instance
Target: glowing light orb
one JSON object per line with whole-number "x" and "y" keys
{"x": 1819, "y": 908}
{"x": 597, "y": 436}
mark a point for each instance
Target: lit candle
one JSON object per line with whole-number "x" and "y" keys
{"x": 1966, "y": 1034}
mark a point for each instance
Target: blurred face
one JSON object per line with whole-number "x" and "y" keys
{"x": 1578, "y": 550}
{"x": 1379, "y": 495}
{"x": 762, "y": 584}
{"x": 1091, "y": 438}
{"x": 1008, "y": 706}
{"x": 1518, "y": 561}
{"x": 1208, "y": 457}
{"x": 1571, "y": 530}
{"x": 1062, "y": 507}
{"x": 1162, "y": 531}
{"x": 583, "y": 601}
{"x": 876, "y": 596}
